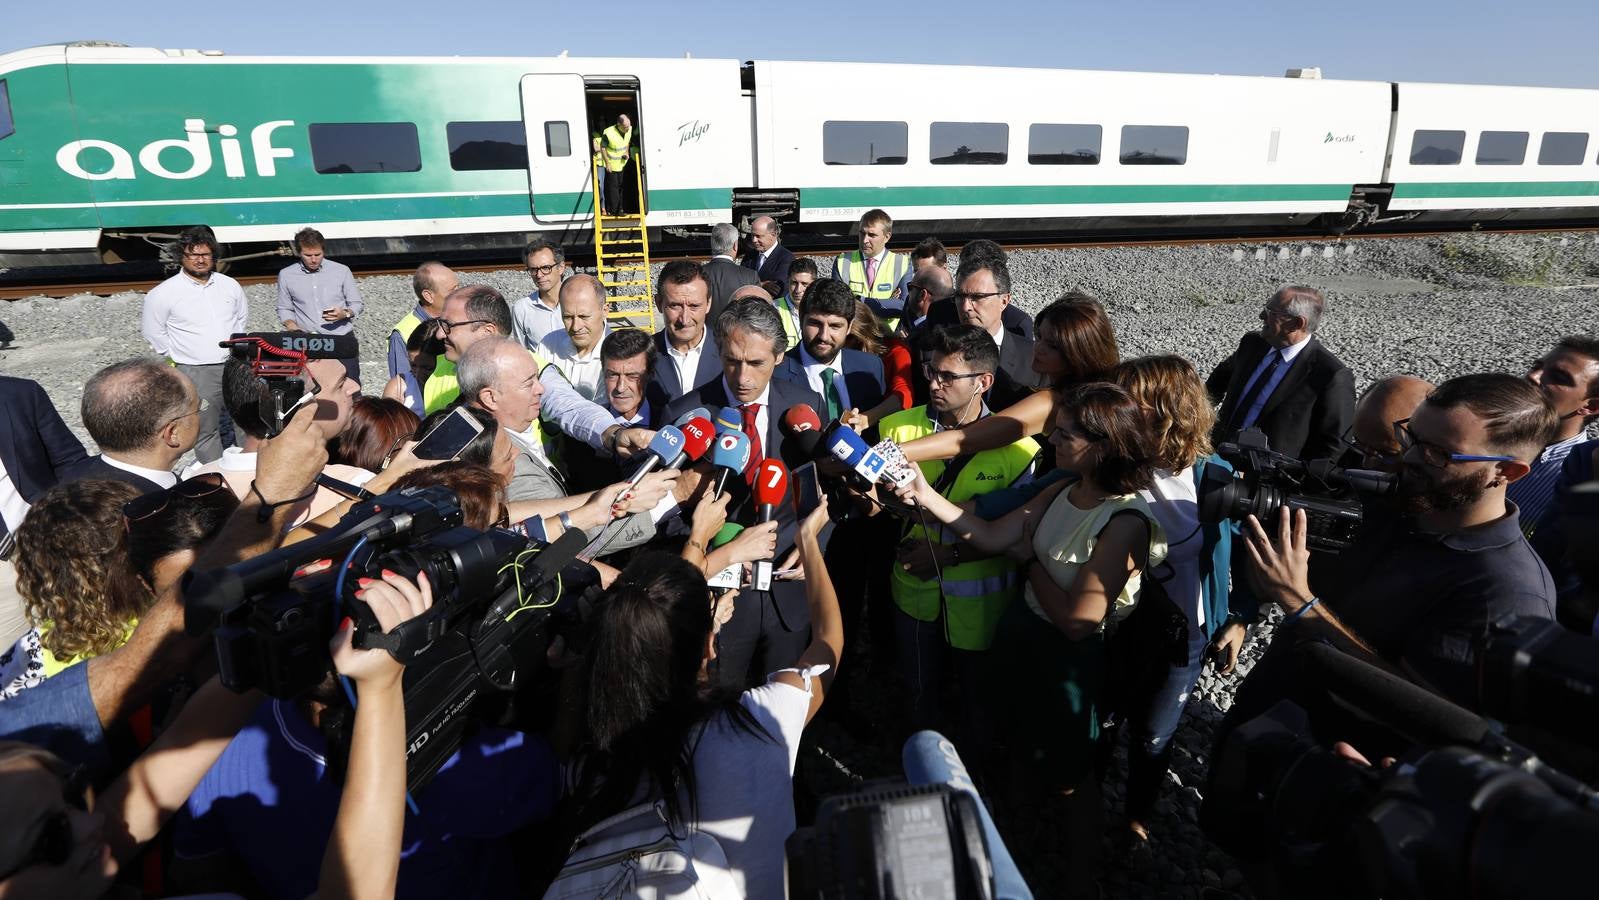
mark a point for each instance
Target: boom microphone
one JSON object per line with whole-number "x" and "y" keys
{"x": 771, "y": 486}
{"x": 284, "y": 344}
{"x": 731, "y": 457}
{"x": 1413, "y": 712}
{"x": 930, "y": 758}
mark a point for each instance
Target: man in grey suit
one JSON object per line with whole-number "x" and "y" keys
{"x": 500, "y": 377}
{"x": 723, "y": 271}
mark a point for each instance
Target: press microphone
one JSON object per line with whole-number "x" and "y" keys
{"x": 731, "y": 457}
{"x": 802, "y": 432}
{"x": 930, "y": 758}
{"x": 730, "y": 419}
{"x": 698, "y": 412}
{"x": 771, "y": 486}
{"x": 698, "y": 433}
{"x": 665, "y": 448}
{"x": 733, "y": 574}
{"x": 286, "y": 345}
{"x": 799, "y": 418}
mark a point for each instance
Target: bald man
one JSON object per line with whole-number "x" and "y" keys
{"x": 767, "y": 256}
{"x": 575, "y": 349}
{"x": 1373, "y": 444}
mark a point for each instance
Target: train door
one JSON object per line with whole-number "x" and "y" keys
{"x": 608, "y": 99}
{"x": 558, "y": 154}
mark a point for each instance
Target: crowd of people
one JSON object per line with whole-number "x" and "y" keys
{"x": 1044, "y": 583}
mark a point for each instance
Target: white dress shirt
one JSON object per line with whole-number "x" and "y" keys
{"x": 12, "y": 507}
{"x": 1289, "y": 353}
{"x": 532, "y": 320}
{"x": 813, "y": 374}
{"x": 185, "y": 320}
{"x": 163, "y": 477}
{"x": 998, "y": 334}
{"x": 584, "y": 370}
{"x": 687, "y": 362}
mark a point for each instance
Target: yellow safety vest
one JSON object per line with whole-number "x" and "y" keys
{"x": 407, "y": 325}
{"x": 976, "y": 592}
{"x": 851, "y": 269}
{"x": 613, "y": 148}
{"x": 790, "y": 315}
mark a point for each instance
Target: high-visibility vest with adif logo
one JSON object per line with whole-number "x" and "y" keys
{"x": 977, "y": 592}
{"x": 851, "y": 269}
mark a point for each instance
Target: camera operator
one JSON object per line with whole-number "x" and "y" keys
{"x": 1417, "y": 592}
{"x": 658, "y": 728}
{"x": 77, "y": 848}
{"x": 68, "y": 714}
{"x": 242, "y": 392}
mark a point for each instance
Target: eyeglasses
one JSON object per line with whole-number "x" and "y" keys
{"x": 973, "y": 298}
{"x": 204, "y": 405}
{"x": 1371, "y": 454}
{"x": 140, "y": 508}
{"x": 447, "y": 326}
{"x": 56, "y": 839}
{"x": 940, "y": 376}
{"x": 1269, "y": 313}
{"x": 542, "y": 270}
{"x": 188, "y": 255}
{"x": 1434, "y": 455}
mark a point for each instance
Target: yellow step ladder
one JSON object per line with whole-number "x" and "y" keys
{"x": 622, "y": 258}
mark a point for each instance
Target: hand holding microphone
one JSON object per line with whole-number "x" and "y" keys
{"x": 770, "y": 488}
{"x": 730, "y": 458}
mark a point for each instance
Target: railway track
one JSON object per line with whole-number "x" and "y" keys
{"x": 106, "y": 288}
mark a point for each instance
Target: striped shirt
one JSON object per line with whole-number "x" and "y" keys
{"x": 1533, "y": 492}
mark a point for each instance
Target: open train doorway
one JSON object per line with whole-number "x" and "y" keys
{"x": 623, "y": 171}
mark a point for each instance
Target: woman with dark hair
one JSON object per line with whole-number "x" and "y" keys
{"x": 1075, "y": 344}
{"x": 376, "y": 429}
{"x": 657, "y": 731}
{"x": 1087, "y": 541}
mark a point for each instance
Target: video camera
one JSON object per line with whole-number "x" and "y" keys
{"x": 278, "y": 358}
{"x": 1267, "y": 480}
{"x": 1464, "y": 812}
{"x": 499, "y": 599}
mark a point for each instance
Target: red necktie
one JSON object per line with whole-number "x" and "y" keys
{"x": 753, "y": 432}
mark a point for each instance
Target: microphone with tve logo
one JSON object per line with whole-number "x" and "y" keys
{"x": 771, "y": 486}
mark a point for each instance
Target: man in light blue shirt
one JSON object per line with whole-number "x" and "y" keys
{"x": 185, "y": 319}
{"x": 317, "y": 294}
{"x": 537, "y": 315}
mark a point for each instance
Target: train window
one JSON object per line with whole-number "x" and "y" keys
{"x": 865, "y": 143}
{"x": 1154, "y": 145}
{"x": 1437, "y": 148}
{"x": 362, "y": 147}
{"x": 557, "y": 139}
{"x": 1502, "y": 148}
{"x": 1063, "y": 145}
{"x": 1563, "y": 148}
{"x": 968, "y": 143}
{"x": 7, "y": 124}
{"x": 480, "y": 146}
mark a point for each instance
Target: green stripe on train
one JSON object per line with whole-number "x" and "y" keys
{"x": 1415, "y": 190}
{"x": 1014, "y": 195}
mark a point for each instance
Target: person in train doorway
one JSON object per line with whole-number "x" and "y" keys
{"x": 614, "y": 146}
{"x": 876, "y": 275}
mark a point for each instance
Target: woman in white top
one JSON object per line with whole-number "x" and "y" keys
{"x": 656, "y": 728}
{"x": 1088, "y": 540}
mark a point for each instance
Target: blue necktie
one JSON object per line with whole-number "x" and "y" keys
{"x": 1241, "y": 411}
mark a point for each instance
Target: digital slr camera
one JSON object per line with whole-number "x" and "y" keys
{"x": 1266, "y": 481}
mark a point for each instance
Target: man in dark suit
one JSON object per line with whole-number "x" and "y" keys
{"x": 1284, "y": 382}
{"x": 685, "y": 349}
{"x": 631, "y": 392}
{"x": 35, "y": 448}
{"x": 768, "y": 259}
{"x": 846, "y": 379}
{"x": 982, "y": 294}
{"x": 767, "y": 632}
{"x": 723, "y": 272}
{"x": 145, "y": 416}
{"x": 947, "y": 312}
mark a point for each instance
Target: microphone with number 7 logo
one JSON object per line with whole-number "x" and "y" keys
{"x": 771, "y": 486}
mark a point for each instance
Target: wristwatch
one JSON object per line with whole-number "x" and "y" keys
{"x": 565, "y": 520}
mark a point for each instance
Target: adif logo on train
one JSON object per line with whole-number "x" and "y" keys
{"x": 1338, "y": 138}
{"x": 195, "y": 147}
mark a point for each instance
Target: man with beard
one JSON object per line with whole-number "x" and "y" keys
{"x": 846, "y": 379}
{"x": 1416, "y": 594}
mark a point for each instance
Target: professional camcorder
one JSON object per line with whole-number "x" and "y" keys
{"x": 1465, "y": 812}
{"x": 499, "y": 599}
{"x": 1266, "y": 481}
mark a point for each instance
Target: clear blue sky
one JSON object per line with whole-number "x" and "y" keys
{"x": 1538, "y": 42}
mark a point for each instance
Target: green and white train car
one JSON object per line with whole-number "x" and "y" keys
{"x": 106, "y": 151}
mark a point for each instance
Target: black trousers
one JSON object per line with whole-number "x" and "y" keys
{"x": 760, "y": 639}
{"x": 615, "y": 192}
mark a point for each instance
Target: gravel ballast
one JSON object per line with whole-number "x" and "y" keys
{"x": 1434, "y": 307}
